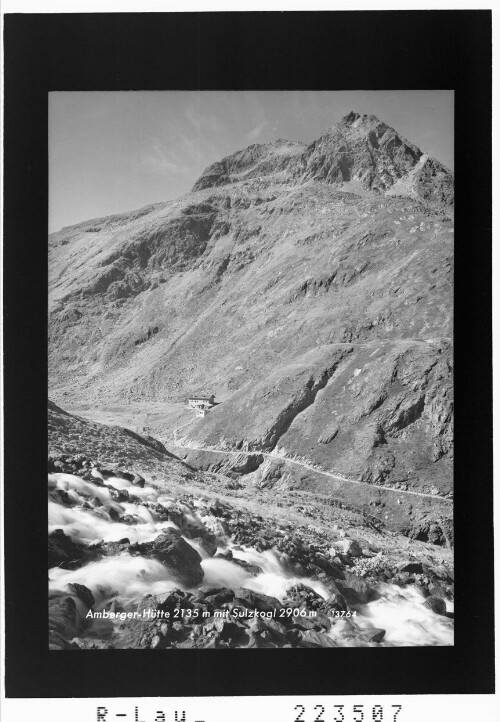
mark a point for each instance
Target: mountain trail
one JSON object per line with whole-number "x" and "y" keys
{"x": 305, "y": 465}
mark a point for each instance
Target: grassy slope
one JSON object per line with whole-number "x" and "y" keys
{"x": 313, "y": 509}
{"x": 322, "y": 318}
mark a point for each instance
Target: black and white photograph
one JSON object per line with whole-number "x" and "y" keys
{"x": 247, "y": 322}
{"x": 250, "y": 406}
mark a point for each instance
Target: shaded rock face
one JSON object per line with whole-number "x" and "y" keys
{"x": 65, "y": 553}
{"x": 356, "y": 590}
{"x": 63, "y": 617}
{"x": 76, "y": 444}
{"x": 381, "y": 414}
{"x": 359, "y": 149}
{"x": 351, "y": 548}
{"x": 256, "y": 160}
{"x": 261, "y": 602}
{"x": 436, "y": 604}
{"x": 67, "y": 616}
{"x": 173, "y": 551}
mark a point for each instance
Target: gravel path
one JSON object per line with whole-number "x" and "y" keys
{"x": 305, "y": 465}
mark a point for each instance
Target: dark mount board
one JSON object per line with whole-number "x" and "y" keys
{"x": 209, "y": 51}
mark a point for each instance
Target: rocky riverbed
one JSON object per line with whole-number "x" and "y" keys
{"x": 136, "y": 564}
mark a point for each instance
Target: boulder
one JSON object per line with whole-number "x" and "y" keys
{"x": 176, "y": 599}
{"x": 293, "y": 637}
{"x": 63, "y": 552}
{"x": 336, "y": 602}
{"x": 176, "y": 632}
{"x": 322, "y": 622}
{"x": 112, "y": 548}
{"x": 218, "y": 597}
{"x": 219, "y": 528}
{"x": 355, "y": 589}
{"x": 229, "y": 631}
{"x": 264, "y": 640}
{"x": 217, "y": 508}
{"x": 211, "y": 642}
{"x": 330, "y": 567}
{"x": 411, "y": 567}
{"x": 63, "y": 617}
{"x": 57, "y": 642}
{"x": 252, "y": 569}
{"x": 315, "y": 640}
{"x": 302, "y": 596}
{"x": 276, "y": 631}
{"x": 437, "y": 590}
{"x": 374, "y": 635}
{"x": 63, "y": 497}
{"x": 174, "y": 552}
{"x": 303, "y": 623}
{"x": 256, "y": 600}
{"x": 91, "y": 643}
{"x": 83, "y": 593}
{"x": 128, "y": 519}
{"x": 350, "y": 547}
{"x": 207, "y": 542}
{"x": 437, "y": 605}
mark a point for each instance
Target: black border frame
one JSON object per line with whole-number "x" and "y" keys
{"x": 248, "y": 50}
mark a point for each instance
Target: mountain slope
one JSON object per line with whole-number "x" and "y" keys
{"x": 71, "y": 436}
{"x": 310, "y": 287}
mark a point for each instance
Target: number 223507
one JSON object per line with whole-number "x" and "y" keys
{"x": 346, "y": 713}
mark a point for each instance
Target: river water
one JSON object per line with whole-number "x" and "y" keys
{"x": 91, "y": 514}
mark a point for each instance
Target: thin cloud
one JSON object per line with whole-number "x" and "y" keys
{"x": 257, "y": 131}
{"x": 158, "y": 159}
{"x": 203, "y": 121}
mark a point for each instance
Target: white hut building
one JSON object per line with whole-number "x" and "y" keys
{"x": 201, "y": 403}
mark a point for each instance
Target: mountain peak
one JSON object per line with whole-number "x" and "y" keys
{"x": 359, "y": 151}
{"x": 354, "y": 118}
{"x": 259, "y": 159}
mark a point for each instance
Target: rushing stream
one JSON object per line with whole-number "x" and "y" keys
{"x": 113, "y": 510}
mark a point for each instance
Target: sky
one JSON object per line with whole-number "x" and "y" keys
{"x": 111, "y": 152}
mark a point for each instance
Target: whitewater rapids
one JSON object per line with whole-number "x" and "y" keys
{"x": 89, "y": 513}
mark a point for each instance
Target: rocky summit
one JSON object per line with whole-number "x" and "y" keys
{"x": 309, "y": 287}
{"x": 360, "y": 150}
